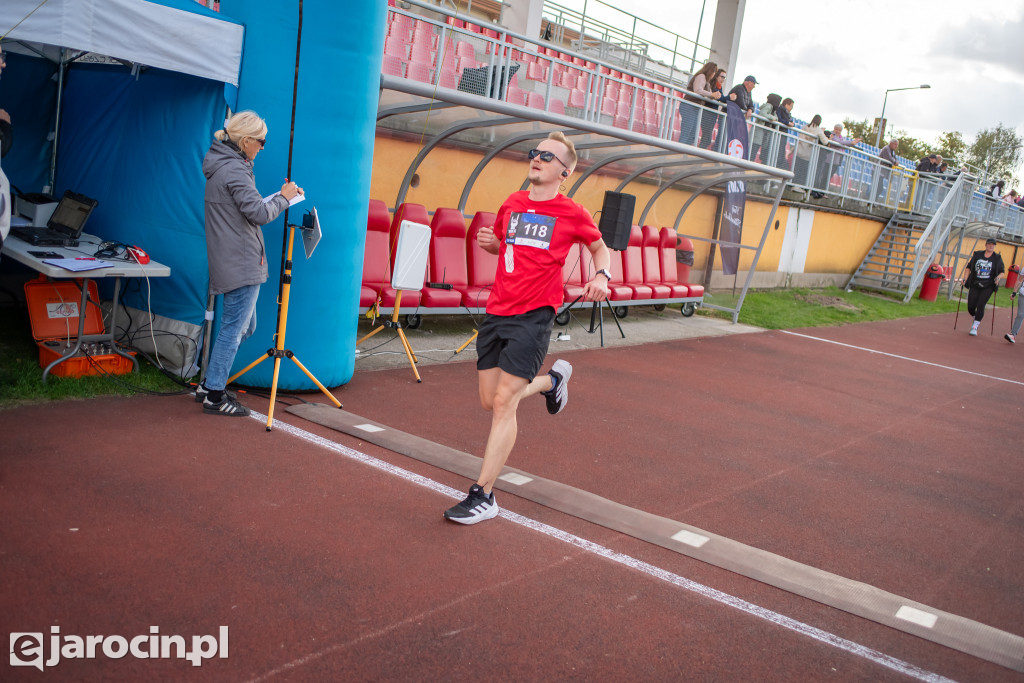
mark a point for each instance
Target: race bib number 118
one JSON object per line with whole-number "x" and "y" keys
{"x": 530, "y": 230}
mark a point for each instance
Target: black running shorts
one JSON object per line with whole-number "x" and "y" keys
{"x": 517, "y": 344}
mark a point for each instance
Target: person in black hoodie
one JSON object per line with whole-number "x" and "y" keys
{"x": 234, "y": 247}
{"x": 981, "y": 279}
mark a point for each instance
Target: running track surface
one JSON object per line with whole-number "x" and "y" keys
{"x": 328, "y": 559}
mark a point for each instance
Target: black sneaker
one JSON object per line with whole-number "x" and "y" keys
{"x": 476, "y": 508}
{"x": 559, "y": 396}
{"x": 200, "y": 393}
{"x": 227, "y": 406}
{"x": 1010, "y": 338}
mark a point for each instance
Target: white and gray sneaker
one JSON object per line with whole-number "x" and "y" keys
{"x": 226, "y": 406}
{"x": 477, "y": 507}
{"x": 556, "y": 398}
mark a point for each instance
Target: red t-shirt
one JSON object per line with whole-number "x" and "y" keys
{"x": 535, "y": 239}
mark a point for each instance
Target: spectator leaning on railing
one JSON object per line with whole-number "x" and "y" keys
{"x": 811, "y": 134}
{"x": 690, "y": 108}
{"x": 710, "y": 117}
{"x": 785, "y": 121}
{"x": 889, "y": 162}
{"x": 929, "y": 164}
{"x": 740, "y": 94}
{"x": 762, "y": 132}
{"x": 837, "y": 140}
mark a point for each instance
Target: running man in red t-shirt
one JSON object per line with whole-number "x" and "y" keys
{"x": 531, "y": 236}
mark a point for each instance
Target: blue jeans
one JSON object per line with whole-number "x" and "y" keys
{"x": 237, "y": 323}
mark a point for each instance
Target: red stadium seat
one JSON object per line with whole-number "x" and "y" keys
{"x": 446, "y": 262}
{"x": 572, "y": 274}
{"x": 651, "y": 260}
{"x": 669, "y": 269}
{"x": 481, "y": 265}
{"x": 616, "y": 290}
{"x": 417, "y": 213}
{"x": 377, "y": 257}
{"x": 633, "y": 267}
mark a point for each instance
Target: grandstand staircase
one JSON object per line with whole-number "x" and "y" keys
{"x": 910, "y": 243}
{"x": 890, "y": 265}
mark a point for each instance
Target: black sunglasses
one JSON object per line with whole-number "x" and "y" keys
{"x": 546, "y": 157}
{"x": 262, "y": 142}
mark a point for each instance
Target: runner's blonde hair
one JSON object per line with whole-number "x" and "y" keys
{"x": 559, "y": 136}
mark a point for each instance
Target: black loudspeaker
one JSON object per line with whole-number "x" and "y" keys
{"x": 617, "y": 219}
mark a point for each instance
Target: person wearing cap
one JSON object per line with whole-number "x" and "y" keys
{"x": 741, "y": 95}
{"x": 981, "y": 277}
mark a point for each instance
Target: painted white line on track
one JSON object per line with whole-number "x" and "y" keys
{"x": 908, "y": 358}
{"x": 370, "y": 428}
{"x": 749, "y": 608}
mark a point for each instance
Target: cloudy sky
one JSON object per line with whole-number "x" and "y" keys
{"x": 838, "y": 58}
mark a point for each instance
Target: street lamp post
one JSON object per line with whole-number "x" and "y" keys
{"x": 881, "y": 120}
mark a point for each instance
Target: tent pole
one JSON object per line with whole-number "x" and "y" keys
{"x": 51, "y": 187}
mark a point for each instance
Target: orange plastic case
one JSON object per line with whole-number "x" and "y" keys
{"x": 53, "y": 312}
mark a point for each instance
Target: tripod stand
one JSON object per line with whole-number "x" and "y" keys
{"x": 279, "y": 351}
{"x": 396, "y": 324}
{"x": 596, "y": 316}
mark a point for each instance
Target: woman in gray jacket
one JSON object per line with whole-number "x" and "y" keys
{"x": 235, "y": 248}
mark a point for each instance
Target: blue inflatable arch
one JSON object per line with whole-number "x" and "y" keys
{"x": 339, "y": 47}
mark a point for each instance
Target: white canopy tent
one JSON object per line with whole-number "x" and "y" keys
{"x": 177, "y": 35}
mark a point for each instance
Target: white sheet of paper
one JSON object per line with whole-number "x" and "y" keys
{"x": 291, "y": 202}
{"x": 77, "y": 264}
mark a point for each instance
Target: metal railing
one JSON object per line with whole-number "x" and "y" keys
{"x": 934, "y": 237}
{"x": 626, "y": 40}
{"x": 528, "y": 72}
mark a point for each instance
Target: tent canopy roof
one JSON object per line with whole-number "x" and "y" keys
{"x": 177, "y": 35}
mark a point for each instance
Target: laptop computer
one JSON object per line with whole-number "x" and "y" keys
{"x": 65, "y": 225}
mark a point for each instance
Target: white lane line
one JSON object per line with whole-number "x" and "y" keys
{"x": 912, "y": 360}
{"x": 639, "y": 565}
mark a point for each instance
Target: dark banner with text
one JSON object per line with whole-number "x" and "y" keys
{"x": 735, "y": 191}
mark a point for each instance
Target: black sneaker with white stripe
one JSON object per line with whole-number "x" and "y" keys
{"x": 228, "y": 405}
{"x": 561, "y": 371}
{"x": 200, "y": 393}
{"x": 477, "y": 507}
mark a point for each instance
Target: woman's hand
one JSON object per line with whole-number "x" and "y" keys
{"x": 289, "y": 190}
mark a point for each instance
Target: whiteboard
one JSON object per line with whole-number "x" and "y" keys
{"x": 411, "y": 256}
